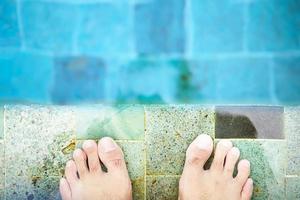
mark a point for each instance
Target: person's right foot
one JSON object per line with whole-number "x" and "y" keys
{"x": 217, "y": 182}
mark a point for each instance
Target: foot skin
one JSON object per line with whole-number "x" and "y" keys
{"x": 85, "y": 179}
{"x": 217, "y": 182}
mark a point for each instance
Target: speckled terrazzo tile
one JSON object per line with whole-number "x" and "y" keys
{"x": 118, "y": 122}
{"x": 44, "y": 123}
{"x": 35, "y": 188}
{"x": 2, "y": 169}
{"x": 134, "y": 153}
{"x": 162, "y": 187}
{"x": 169, "y": 131}
{"x": 249, "y": 122}
{"x": 39, "y": 140}
{"x": 268, "y": 161}
{"x": 293, "y": 188}
{"x": 1, "y": 121}
{"x": 292, "y": 131}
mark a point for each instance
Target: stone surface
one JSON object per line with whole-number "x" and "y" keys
{"x": 118, "y": 122}
{"x": 158, "y": 27}
{"x": 2, "y": 170}
{"x": 268, "y": 161}
{"x": 215, "y": 27}
{"x": 249, "y": 122}
{"x": 38, "y": 141}
{"x": 105, "y": 29}
{"x": 169, "y": 131}
{"x": 9, "y": 29}
{"x": 162, "y": 187}
{"x": 40, "y": 188}
{"x": 1, "y": 122}
{"x": 273, "y": 25}
{"x": 76, "y": 78}
{"x": 292, "y": 188}
{"x": 292, "y": 131}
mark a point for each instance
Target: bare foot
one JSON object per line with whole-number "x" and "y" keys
{"x": 92, "y": 183}
{"x": 217, "y": 182}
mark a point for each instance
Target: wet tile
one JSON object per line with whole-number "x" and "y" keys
{"x": 19, "y": 84}
{"x": 39, "y": 140}
{"x": 162, "y": 187}
{"x": 273, "y": 25}
{"x": 9, "y": 29}
{"x": 286, "y": 80}
{"x": 1, "y": 122}
{"x": 268, "y": 160}
{"x": 2, "y": 166}
{"x": 134, "y": 153}
{"x": 78, "y": 79}
{"x": 231, "y": 72}
{"x": 169, "y": 131}
{"x": 292, "y": 131}
{"x": 51, "y": 32}
{"x": 106, "y": 29}
{"x": 292, "y": 188}
{"x": 208, "y": 18}
{"x": 249, "y": 122}
{"x": 165, "y": 19}
{"x": 39, "y": 188}
{"x": 118, "y": 122}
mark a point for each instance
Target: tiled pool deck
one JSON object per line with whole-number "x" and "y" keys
{"x": 36, "y": 141}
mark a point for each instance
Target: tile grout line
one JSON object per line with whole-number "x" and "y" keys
{"x": 145, "y": 154}
{"x": 20, "y": 25}
{"x": 4, "y": 146}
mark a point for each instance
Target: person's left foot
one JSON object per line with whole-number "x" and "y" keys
{"x": 85, "y": 179}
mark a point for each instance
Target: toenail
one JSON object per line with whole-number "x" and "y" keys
{"x": 77, "y": 153}
{"x": 226, "y": 143}
{"x": 235, "y": 151}
{"x": 203, "y": 142}
{"x": 88, "y": 144}
{"x": 69, "y": 163}
{"x": 108, "y": 144}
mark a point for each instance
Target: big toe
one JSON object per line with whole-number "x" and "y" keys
{"x": 111, "y": 155}
{"x": 198, "y": 152}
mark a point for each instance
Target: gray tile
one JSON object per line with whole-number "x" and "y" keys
{"x": 169, "y": 131}
{"x": 162, "y": 187}
{"x": 292, "y": 131}
{"x": 249, "y": 122}
{"x": 39, "y": 140}
{"x": 2, "y": 166}
{"x": 268, "y": 166}
{"x": 1, "y": 121}
{"x": 118, "y": 122}
{"x": 292, "y": 188}
{"x": 39, "y": 188}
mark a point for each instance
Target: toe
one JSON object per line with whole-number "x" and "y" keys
{"x": 64, "y": 189}
{"x": 71, "y": 172}
{"x": 111, "y": 155}
{"x": 247, "y": 190}
{"x": 90, "y": 149}
{"x": 198, "y": 152}
{"x": 222, "y": 149}
{"x": 243, "y": 172}
{"x": 231, "y": 159}
{"x": 80, "y": 161}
